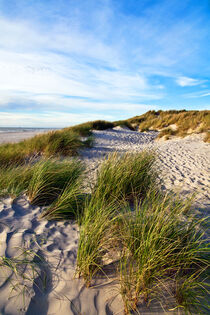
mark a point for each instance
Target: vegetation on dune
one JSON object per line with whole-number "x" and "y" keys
{"x": 50, "y": 179}
{"x": 64, "y": 142}
{"x": 54, "y": 143}
{"x": 161, "y": 251}
{"x": 186, "y": 122}
{"x": 85, "y": 128}
{"x": 154, "y": 242}
{"x": 45, "y": 183}
{"x": 14, "y": 180}
{"x": 68, "y": 141}
{"x": 124, "y": 123}
{"x": 207, "y": 137}
{"x": 125, "y": 176}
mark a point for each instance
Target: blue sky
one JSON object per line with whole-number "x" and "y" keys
{"x": 64, "y": 62}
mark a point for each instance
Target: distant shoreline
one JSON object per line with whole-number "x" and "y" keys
{"x": 14, "y": 136}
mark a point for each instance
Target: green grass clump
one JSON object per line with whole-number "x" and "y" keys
{"x": 47, "y": 182}
{"x": 120, "y": 178}
{"x": 85, "y": 128}
{"x": 50, "y": 179}
{"x": 125, "y": 176}
{"x": 68, "y": 205}
{"x": 14, "y": 180}
{"x": 12, "y": 154}
{"x": 160, "y": 249}
{"x": 95, "y": 237}
{"x": 155, "y": 243}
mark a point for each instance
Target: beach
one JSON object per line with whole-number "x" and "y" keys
{"x": 184, "y": 167}
{"x": 14, "y": 135}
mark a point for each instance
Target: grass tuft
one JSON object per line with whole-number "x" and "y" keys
{"x": 125, "y": 176}
{"x": 47, "y": 182}
{"x": 156, "y": 242}
{"x": 50, "y": 179}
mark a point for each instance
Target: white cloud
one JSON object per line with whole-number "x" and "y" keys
{"x": 205, "y": 94}
{"x": 54, "y": 79}
{"x": 185, "y": 81}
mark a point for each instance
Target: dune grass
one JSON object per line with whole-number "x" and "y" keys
{"x": 159, "y": 242}
{"x": 123, "y": 123}
{"x": 47, "y": 182}
{"x": 14, "y": 180}
{"x": 54, "y": 143}
{"x": 95, "y": 237}
{"x": 186, "y": 122}
{"x": 50, "y": 178}
{"x": 207, "y": 137}
{"x": 124, "y": 177}
{"x": 68, "y": 205}
{"x": 162, "y": 251}
{"x": 120, "y": 178}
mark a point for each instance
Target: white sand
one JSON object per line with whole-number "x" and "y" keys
{"x": 184, "y": 164}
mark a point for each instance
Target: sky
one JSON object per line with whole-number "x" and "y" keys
{"x": 64, "y": 62}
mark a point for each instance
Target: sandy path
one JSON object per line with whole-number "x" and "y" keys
{"x": 184, "y": 165}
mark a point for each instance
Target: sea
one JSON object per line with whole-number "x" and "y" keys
{"x": 20, "y": 129}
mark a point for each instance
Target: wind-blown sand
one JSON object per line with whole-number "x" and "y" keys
{"x": 184, "y": 165}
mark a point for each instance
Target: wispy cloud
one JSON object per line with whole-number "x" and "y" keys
{"x": 198, "y": 94}
{"x": 185, "y": 81}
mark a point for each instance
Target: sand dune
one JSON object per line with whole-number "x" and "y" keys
{"x": 184, "y": 165}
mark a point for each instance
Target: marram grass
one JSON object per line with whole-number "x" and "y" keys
{"x": 125, "y": 177}
{"x": 54, "y": 143}
{"x": 160, "y": 244}
{"x": 50, "y": 178}
{"x": 49, "y": 182}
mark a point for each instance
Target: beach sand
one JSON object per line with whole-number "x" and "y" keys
{"x": 14, "y": 137}
{"x": 184, "y": 166}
